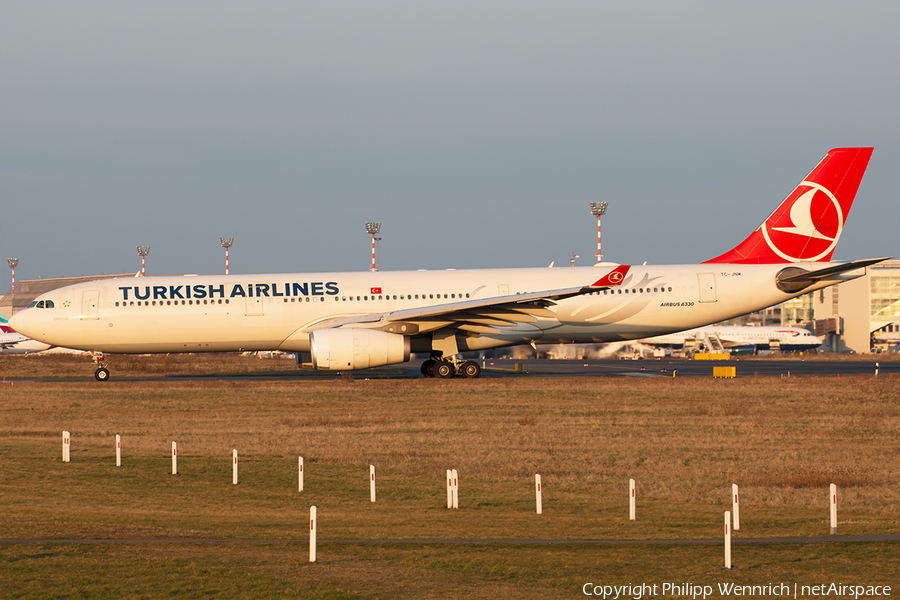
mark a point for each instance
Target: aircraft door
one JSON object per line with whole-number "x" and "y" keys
{"x": 707, "y": 287}
{"x": 90, "y": 300}
{"x": 254, "y": 307}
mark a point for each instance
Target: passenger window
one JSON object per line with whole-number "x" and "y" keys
{"x": 670, "y": 289}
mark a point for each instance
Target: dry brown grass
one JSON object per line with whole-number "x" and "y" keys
{"x": 685, "y": 441}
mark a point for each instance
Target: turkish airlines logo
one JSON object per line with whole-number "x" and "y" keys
{"x": 614, "y": 277}
{"x": 808, "y": 228}
{"x": 375, "y": 290}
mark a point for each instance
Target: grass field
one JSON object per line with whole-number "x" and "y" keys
{"x": 684, "y": 441}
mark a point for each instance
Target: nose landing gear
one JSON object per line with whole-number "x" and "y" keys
{"x": 102, "y": 373}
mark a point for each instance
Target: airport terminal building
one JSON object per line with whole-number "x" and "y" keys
{"x": 859, "y": 316}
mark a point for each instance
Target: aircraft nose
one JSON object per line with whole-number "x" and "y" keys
{"x": 21, "y": 322}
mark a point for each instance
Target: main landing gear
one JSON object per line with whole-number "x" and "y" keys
{"x": 444, "y": 369}
{"x": 102, "y": 373}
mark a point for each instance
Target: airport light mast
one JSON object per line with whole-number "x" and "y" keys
{"x": 572, "y": 260}
{"x": 226, "y": 245}
{"x": 373, "y": 229}
{"x": 13, "y": 263}
{"x": 599, "y": 209}
{"x": 143, "y": 251}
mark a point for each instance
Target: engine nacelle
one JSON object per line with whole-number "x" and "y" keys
{"x": 348, "y": 349}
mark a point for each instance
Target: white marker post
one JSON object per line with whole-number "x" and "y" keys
{"x": 234, "y": 467}
{"x": 727, "y": 541}
{"x": 372, "y": 483}
{"x": 300, "y": 476}
{"x": 174, "y": 459}
{"x": 449, "y": 489}
{"x": 312, "y": 534}
{"x": 118, "y": 451}
{"x": 537, "y": 491}
{"x": 735, "y": 506}
{"x": 65, "y": 446}
{"x": 455, "y": 477}
{"x": 631, "y": 500}
{"x": 833, "y": 498}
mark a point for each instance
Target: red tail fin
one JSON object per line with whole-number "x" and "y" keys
{"x": 808, "y": 224}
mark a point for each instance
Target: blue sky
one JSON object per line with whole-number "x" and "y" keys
{"x": 476, "y": 132}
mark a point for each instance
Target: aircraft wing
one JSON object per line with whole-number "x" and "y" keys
{"x": 478, "y": 316}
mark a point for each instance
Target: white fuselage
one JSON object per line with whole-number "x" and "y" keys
{"x": 278, "y": 311}
{"x": 789, "y": 338}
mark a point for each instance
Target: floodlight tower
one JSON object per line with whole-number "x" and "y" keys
{"x": 226, "y": 245}
{"x": 373, "y": 229}
{"x": 13, "y": 262}
{"x": 143, "y": 251}
{"x": 599, "y": 209}
{"x": 572, "y": 260}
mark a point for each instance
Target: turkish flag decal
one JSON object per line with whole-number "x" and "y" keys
{"x": 374, "y": 290}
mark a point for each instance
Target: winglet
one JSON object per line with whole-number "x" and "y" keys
{"x": 614, "y": 277}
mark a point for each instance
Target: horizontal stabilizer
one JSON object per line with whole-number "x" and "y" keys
{"x": 794, "y": 279}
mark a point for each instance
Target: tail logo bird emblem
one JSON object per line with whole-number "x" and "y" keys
{"x": 815, "y": 214}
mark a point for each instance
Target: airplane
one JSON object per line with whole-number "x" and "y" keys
{"x": 789, "y": 339}
{"x": 348, "y": 321}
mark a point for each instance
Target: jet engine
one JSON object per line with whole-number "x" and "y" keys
{"x": 348, "y": 349}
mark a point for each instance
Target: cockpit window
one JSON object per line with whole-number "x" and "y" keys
{"x": 33, "y": 304}
{"x": 40, "y": 304}
{"x": 48, "y": 303}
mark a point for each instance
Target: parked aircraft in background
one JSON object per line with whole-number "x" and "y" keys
{"x": 351, "y": 321}
{"x": 788, "y": 339}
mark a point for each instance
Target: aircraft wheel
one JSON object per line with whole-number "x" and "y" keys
{"x": 101, "y": 374}
{"x": 428, "y": 368}
{"x": 470, "y": 369}
{"x": 443, "y": 370}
